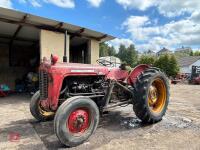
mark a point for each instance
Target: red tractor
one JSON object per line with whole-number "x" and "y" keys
{"x": 75, "y": 95}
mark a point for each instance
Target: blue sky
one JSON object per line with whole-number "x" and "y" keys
{"x": 149, "y": 24}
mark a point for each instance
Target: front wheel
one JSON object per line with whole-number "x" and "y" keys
{"x": 37, "y": 111}
{"x": 151, "y": 95}
{"x": 75, "y": 121}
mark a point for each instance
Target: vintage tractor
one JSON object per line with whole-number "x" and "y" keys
{"x": 76, "y": 95}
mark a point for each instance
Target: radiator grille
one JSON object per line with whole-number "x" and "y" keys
{"x": 43, "y": 78}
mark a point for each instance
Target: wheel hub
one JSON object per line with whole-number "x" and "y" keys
{"x": 78, "y": 121}
{"x": 153, "y": 95}
{"x": 157, "y": 95}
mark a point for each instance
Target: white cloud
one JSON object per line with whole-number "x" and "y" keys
{"x": 6, "y": 3}
{"x": 135, "y": 25}
{"x": 59, "y": 3}
{"x": 62, "y": 3}
{"x": 173, "y": 8}
{"x": 135, "y": 21}
{"x": 175, "y": 33}
{"x": 169, "y": 8}
{"x": 35, "y": 3}
{"x": 195, "y": 16}
{"x": 138, "y": 4}
{"x": 117, "y": 42}
{"x": 95, "y": 3}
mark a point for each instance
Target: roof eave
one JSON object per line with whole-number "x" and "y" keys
{"x": 14, "y": 17}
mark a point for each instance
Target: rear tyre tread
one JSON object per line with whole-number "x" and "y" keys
{"x": 140, "y": 105}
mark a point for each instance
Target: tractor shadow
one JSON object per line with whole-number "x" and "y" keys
{"x": 110, "y": 126}
{"x": 121, "y": 120}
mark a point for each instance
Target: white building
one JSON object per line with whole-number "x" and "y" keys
{"x": 183, "y": 50}
{"x": 186, "y": 63}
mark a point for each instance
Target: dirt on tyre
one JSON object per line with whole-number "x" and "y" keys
{"x": 151, "y": 95}
{"x": 37, "y": 111}
{"x": 76, "y": 120}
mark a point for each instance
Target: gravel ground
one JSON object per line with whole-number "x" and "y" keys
{"x": 120, "y": 129}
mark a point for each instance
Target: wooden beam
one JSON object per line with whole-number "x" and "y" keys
{"x": 100, "y": 38}
{"x": 18, "y": 29}
{"x": 59, "y": 25}
{"x": 77, "y": 33}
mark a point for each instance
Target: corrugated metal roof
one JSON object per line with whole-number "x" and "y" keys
{"x": 14, "y": 18}
{"x": 188, "y": 60}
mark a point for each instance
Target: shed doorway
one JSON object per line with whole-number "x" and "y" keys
{"x": 79, "y": 50}
{"x": 19, "y": 56}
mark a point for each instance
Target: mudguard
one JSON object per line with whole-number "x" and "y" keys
{"x": 136, "y": 72}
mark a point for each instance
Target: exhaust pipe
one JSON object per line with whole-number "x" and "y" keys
{"x": 65, "y": 48}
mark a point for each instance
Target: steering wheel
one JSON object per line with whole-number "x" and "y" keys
{"x": 104, "y": 62}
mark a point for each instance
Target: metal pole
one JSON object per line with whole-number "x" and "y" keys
{"x": 65, "y": 48}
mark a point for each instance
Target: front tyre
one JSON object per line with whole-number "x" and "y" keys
{"x": 151, "y": 95}
{"x": 37, "y": 111}
{"x": 75, "y": 121}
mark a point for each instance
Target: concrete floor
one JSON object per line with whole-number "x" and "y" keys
{"x": 120, "y": 129}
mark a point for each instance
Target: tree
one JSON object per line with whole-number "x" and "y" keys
{"x": 131, "y": 56}
{"x": 111, "y": 51}
{"x": 168, "y": 64}
{"x": 191, "y": 53}
{"x": 163, "y": 63}
{"x": 128, "y": 55}
{"x": 196, "y": 53}
{"x": 147, "y": 59}
{"x": 173, "y": 66}
{"x": 106, "y": 50}
{"x": 121, "y": 54}
{"x": 103, "y": 50}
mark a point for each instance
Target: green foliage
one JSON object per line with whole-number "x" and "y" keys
{"x": 168, "y": 64}
{"x": 196, "y": 53}
{"x": 174, "y": 67}
{"x": 122, "y": 52}
{"x": 146, "y": 59}
{"x": 191, "y": 53}
{"x": 111, "y": 51}
{"x": 106, "y": 50}
{"x": 128, "y": 55}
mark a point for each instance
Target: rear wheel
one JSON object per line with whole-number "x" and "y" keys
{"x": 151, "y": 95}
{"x": 75, "y": 121}
{"x": 37, "y": 111}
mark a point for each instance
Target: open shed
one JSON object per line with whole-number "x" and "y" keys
{"x": 25, "y": 39}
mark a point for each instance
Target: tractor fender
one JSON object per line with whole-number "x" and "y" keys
{"x": 136, "y": 72}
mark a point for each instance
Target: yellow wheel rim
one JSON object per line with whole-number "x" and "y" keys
{"x": 157, "y": 95}
{"x": 43, "y": 112}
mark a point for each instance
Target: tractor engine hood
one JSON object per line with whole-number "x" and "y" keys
{"x": 74, "y": 68}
